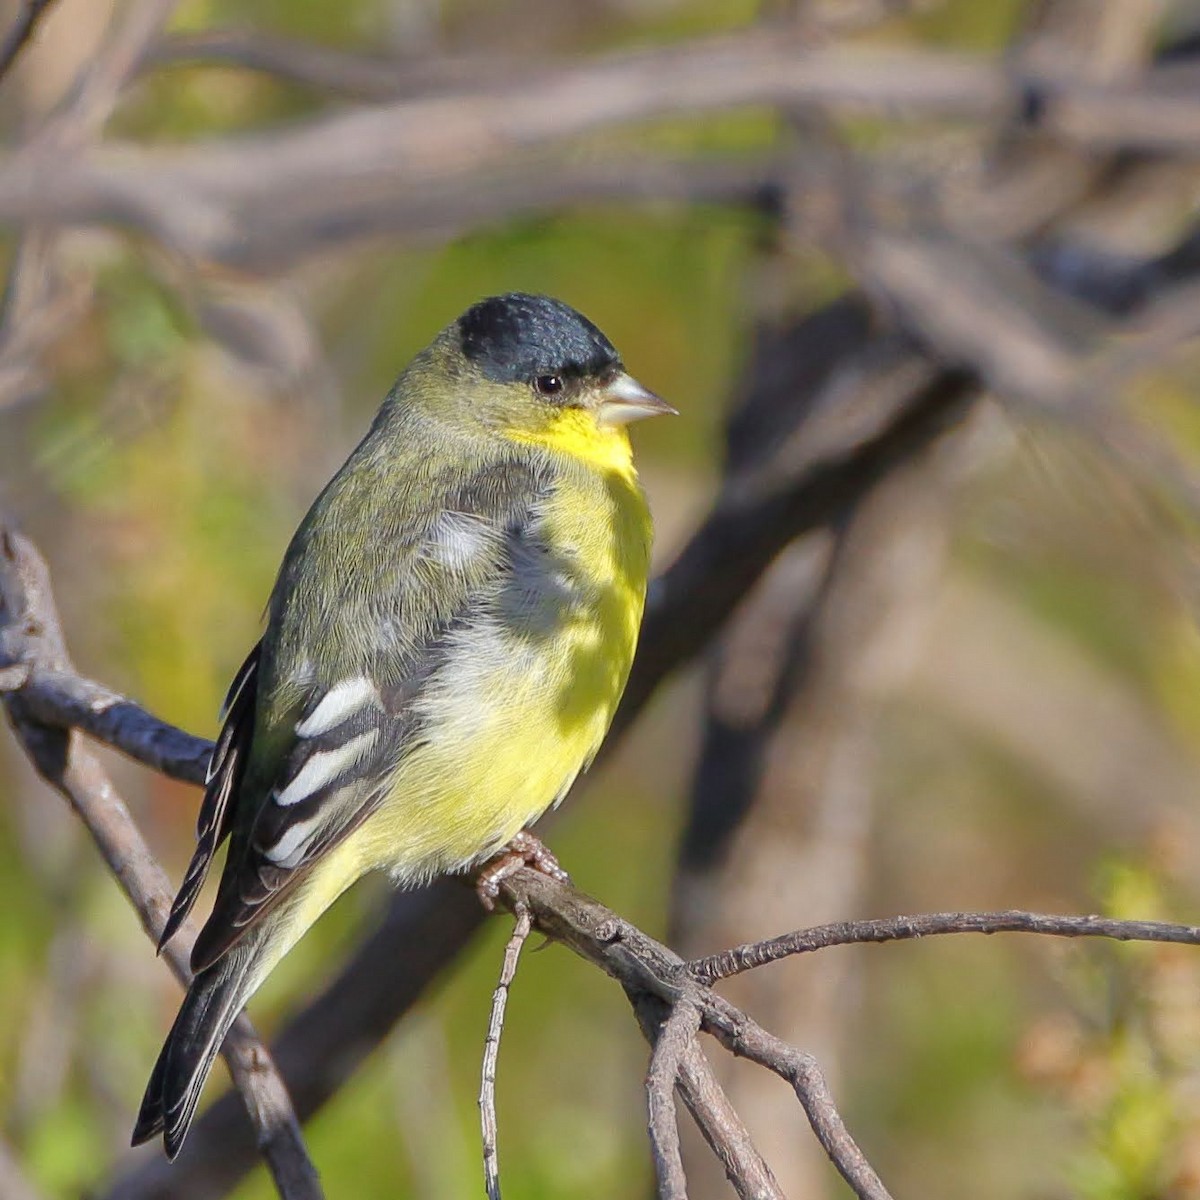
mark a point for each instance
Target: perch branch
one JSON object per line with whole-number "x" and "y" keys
{"x": 645, "y": 967}
{"x": 641, "y": 964}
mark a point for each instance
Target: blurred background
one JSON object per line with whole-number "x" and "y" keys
{"x": 920, "y": 278}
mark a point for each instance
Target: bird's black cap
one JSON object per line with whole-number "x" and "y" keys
{"x": 517, "y": 337}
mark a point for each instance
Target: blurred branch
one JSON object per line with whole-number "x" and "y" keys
{"x": 217, "y": 198}
{"x": 98, "y": 89}
{"x": 31, "y": 639}
{"x": 37, "y": 307}
{"x": 22, "y": 29}
{"x": 992, "y": 314}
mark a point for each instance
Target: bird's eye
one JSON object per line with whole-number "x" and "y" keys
{"x": 548, "y": 385}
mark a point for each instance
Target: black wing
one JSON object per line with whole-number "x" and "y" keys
{"x": 225, "y": 770}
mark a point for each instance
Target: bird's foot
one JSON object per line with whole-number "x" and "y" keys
{"x": 525, "y": 850}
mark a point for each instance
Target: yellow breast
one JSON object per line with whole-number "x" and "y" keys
{"x": 529, "y": 690}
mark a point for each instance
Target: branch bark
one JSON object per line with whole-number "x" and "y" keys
{"x": 645, "y": 967}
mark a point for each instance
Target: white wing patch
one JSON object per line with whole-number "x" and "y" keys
{"x": 455, "y": 538}
{"x": 338, "y": 704}
{"x": 321, "y": 768}
{"x": 289, "y": 850}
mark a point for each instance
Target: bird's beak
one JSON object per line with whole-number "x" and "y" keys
{"x": 624, "y": 400}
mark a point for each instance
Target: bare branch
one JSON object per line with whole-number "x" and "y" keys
{"x": 723, "y": 1129}
{"x": 893, "y": 929}
{"x": 98, "y": 90}
{"x": 491, "y": 1050}
{"x": 671, "y": 1041}
{"x": 31, "y": 637}
{"x": 747, "y": 1039}
{"x": 715, "y": 1117}
{"x": 641, "y": 964}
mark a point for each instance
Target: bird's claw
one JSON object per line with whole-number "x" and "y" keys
{"x": 525, "y": 850}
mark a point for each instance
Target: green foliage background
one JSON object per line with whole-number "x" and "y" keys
{"x": 164, "y": 473}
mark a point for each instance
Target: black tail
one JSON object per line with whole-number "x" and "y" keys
{"x": 210, "y": 1007}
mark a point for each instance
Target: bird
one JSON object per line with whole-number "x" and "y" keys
{"x": 448, "y": 636}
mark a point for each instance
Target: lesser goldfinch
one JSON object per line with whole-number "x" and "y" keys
{"x": 446, "y": 642}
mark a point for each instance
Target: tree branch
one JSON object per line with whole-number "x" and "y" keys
{"x": 641, "y": 964}
{"x": 710, "y": 1108}
{"x": 895, "y": 929}
{"x": 219, "y": 198}
{"x": 670, "y": 1042}
{"x": 646, "y": 967}
{"x": 31, "y": 639}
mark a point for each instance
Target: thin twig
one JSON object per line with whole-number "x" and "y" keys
{"x": 893, "y": 929}
{"x": 747, "y": 1039}
{"x": 491, "y": 1051}
{"x": 671, "y": 1043}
